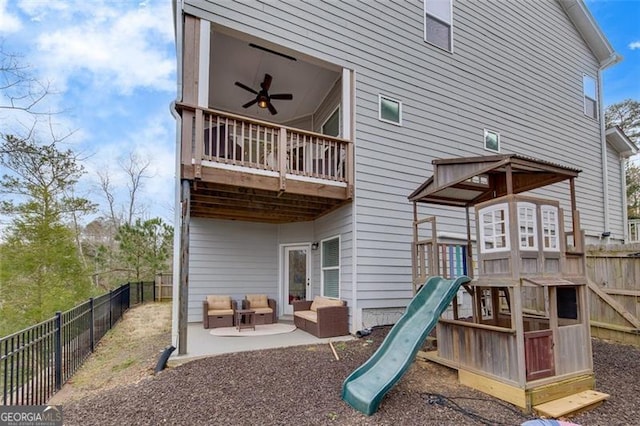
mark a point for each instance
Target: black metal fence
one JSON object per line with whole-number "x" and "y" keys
{"x": 37, "y": 361}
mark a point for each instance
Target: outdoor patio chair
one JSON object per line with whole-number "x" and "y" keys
{"x": 218, "y": 311}
{"x": 265, "y": 308}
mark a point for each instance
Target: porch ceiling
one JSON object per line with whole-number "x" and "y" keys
{"x": 215, "y": 201}
{"x": 234, "y": 59}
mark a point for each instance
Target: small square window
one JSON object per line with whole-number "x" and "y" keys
{"x": 491, "y": 141}
{"x": 390, "y": 110}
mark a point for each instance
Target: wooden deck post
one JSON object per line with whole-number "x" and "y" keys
{"x": 198, "y": 145}
{"x": 516, "y": 322}
{"x": 469, "y": 270}
{"x": 183, "y": 296}
{"x": 414, "y": 250}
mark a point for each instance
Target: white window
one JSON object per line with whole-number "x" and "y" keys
{"x": 550, "y": 238}
{"x": 494, "y": 228}
{"x": 527, "y": 228}
{"x": 491, "y": 140}
{"x": 438, "y": 23}
{"x": 330, "y": 261}
{"x": 590, "y": 92}
{"x": 331, "y": 127}
{"x": 390, "y": 110}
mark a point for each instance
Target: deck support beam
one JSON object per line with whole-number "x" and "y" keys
{"x": 183, "y": 302}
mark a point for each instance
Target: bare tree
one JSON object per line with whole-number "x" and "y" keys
{"x": 136, "y": 170}
{"x": 108, "y": 191}
{"x": 20, "y": 90}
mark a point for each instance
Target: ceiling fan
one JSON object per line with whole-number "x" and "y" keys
{"x": 263, "y": 98}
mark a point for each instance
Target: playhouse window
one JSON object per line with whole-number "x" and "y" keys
{"x": 567, "y": 304}
{"x": 494, "y": 228}
{"x": 527, "y": 232}
{"x": 331, "y": 267}
{"x": 550, "y": 239}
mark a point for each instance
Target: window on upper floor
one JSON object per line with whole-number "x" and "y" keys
{"x": 438, "y": 23}
{"x": 331, "y": 127}
{"x": 389, "y": 110}
{"x": 491, "y": 140}
{"x": 590, "y": 92}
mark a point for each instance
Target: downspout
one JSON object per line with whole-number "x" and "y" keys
{"x": 177, "y": 221}
{"x": 349, "y": 113}
{"x": 625, "y": 216}
{"x": 603, "y": 149}
{"x": 611, "y": 60}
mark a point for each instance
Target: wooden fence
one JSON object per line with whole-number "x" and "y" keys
{"x": 164, "y": 287}
{"x": 614, "y": 281}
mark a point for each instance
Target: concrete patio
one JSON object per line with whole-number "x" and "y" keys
{"x": 203, "y": 344}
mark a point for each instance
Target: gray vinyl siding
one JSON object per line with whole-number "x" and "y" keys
{"x": 516, "y": 69}
{"x": 230, "y": 258}
{"x": 616, "y": 193}
{"x": 236, "y": 258}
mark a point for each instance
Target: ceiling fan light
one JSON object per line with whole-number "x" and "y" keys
{"x": 262, "y": 103}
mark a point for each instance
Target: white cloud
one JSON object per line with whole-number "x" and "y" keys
{"x": 106, "y": 46}
{"x": 634, "y": 45}
{"x": 112, "y": 67}
{"x": 8, "y": 23}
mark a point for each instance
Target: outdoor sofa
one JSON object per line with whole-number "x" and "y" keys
{"x": 322, "y": 317}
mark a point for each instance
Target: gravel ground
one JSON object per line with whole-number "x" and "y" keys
{"x": 302, "y": 385}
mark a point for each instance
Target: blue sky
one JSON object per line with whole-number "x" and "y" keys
{"x": 620, "y": 22}
{"x": 112, "y": 66}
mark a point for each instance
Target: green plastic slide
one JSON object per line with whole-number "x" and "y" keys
{"x": 368, "y": 384}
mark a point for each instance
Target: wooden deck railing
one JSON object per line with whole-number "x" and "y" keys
{"x": 634, "y": 231}
{"x": 235, "y": 140}
{"x": 434, "y": 258}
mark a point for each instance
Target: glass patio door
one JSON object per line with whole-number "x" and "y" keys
{"x": 296, "y": 276}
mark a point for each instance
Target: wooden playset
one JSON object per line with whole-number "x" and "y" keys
{"x": 526, "y": 337}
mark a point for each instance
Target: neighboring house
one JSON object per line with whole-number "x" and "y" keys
{"x": 619, "y": 149}
{"x": 313, "y": 200}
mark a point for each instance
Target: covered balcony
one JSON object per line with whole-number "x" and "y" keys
{"x": 263, "y": 129}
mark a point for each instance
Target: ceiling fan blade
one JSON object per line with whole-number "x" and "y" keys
{"x": 248, "y": 104}
{"x": 272, "y": 109}
{"x": 267, "y": 82}
{"x": 247, "y": 88}
{"x": 283, "y": 96}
